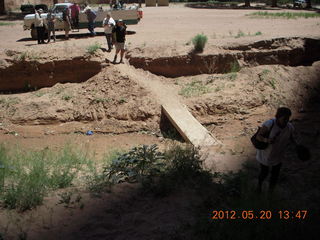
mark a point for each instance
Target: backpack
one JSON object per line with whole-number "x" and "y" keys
{"x": 258, "y": 144}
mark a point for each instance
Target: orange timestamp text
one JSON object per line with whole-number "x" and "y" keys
{"x": 259, "y": 215}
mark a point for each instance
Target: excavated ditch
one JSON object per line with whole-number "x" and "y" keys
{"x": 281, "y": 51}
{"x": 22, "y": 76}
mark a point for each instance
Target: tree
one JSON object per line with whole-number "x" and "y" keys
{"x": 247, "y": 3}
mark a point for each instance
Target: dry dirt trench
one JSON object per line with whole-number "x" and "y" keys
{"x": 177, "y": 113}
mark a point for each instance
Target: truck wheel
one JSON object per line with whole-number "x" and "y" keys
{"x": 34, "y": 34}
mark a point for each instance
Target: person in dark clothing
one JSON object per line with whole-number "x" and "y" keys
{"x": 75, "y": 11}
{"x": 119, "y": 38}
{"x": 91, "y": 16}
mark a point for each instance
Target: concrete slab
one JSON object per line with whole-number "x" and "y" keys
{"x": 189, "y": 127}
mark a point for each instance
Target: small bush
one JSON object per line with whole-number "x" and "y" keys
{"x": 93, "y": 48}
{"x": 159, "y": 172}
{"x": 136, "y": 165}
{"x": 199, "y": 42}
{"x": 240, "y": 34}
{"x": 66, "y": 97}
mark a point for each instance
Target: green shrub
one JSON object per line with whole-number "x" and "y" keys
{"x": 136, "y": 165}
{"x": 199, "y": 42}
{"x": 93, "y": 48}
{"x": 159, "y": 172}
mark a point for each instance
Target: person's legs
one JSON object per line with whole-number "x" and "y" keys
{"x": 91, "y": 28}
{"x": 66, "y": 33}
{"x": 77, "y": 22}
{"x": 49, "y": 35}
{"x": 116, "y": 55}
{"x": 109, "y": 40}
{"x": 53, "y": 34}
{"x": 38, "y": 34}
{"x": 274, "y": 176}
{"x": 264, "y": 170}
{"x": 73, "y": 21}
{"x": 121, "y": 55}
{"x": 66, "y": 29}
{"x": 42, "y": 30}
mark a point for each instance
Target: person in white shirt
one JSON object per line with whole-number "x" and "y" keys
{"x": 39, "y": 24}
{"x": 108, "y": 24}
{"x": 278, "y": 132}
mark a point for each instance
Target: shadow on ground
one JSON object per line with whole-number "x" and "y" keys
{"x": 73, "y": 35}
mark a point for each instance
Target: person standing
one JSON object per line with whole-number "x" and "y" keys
{"x": 280, "y": 132}
{"x": 108, "y": 24}
{"x": 39, "y": 24}
{"x": 119, "y": 38}
{"x": 67, "y": 22}
{"x": 75, "y": 11}
{"x": 91, "y": 16}
{"x": 50, "y": 21}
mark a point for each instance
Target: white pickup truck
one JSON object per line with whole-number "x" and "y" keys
{"x": 131, "y": 15}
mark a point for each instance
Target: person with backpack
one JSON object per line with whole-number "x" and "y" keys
{"x": 275, "y": 134}
{"x": 91, "y": 16}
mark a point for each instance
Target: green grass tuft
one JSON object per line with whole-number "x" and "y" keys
{"x": 287, "y": 15}
{"x": 26, "y": 177}
{"x": 6, "y": 24}
{"x": 92, "y": 49}
{"x": 195, "y": 88}
{"x": 199, "y": 42}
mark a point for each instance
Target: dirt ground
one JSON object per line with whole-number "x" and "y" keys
{"x": 121, "y": 103}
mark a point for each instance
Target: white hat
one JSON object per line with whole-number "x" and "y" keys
{"x": 40, "y": 10}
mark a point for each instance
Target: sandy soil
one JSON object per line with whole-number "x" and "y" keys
{"x": 121, "y": 105}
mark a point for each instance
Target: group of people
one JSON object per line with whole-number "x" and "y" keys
{"x": 115, "y": 32}
{"x": 70, "y": 17}
{"x": 116, "y": 35}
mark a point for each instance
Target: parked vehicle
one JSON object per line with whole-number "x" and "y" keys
{"x": 29, "y": 8}
{"x": 131, "y": 15}
{"x": 299, "y": 4}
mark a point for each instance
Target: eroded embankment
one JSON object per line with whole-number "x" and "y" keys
{"x": 23, "y": 76}
{"x": 282, "y": 51}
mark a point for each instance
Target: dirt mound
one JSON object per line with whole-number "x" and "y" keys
{"x": 110, "y": 97}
